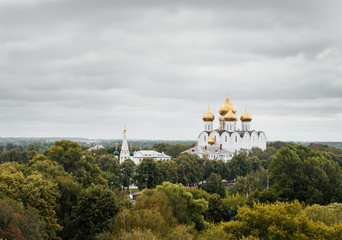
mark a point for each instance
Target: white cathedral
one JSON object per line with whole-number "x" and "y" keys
{"x": 229, "y": 139}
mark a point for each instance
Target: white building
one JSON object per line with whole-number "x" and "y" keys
{"x": 138, "y": 156}
{"x": 229, "y": 139}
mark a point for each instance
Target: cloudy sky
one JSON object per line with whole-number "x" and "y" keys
{"x": 85, "y": 68}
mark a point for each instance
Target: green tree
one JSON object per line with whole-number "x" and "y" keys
{"x": 258, "y": 179}
{"x": 161, "y": 147}
{"x": 239, "y": 165}
{"x": 34, "y": 147}
{"x": 215, "y": 209}
{"x": 283, "y": 221}
{"x": 267, "y": 196}
{"x": 208, "y": 168}
{"x": 95, "y": 208}
{"x": 127, "y": 172}
{"x": 330, "y": 214}
{"x": 151, "y": 212}
{"x": 66, "y": 153}
{"x": 190, "y": 169}
{"x": 68, "y": 190}
{"x": 110, "y": 169}
{"x": 13, "y": 155}
{"x": 231, "y": 205}
{"x": 168, "y": 171}
{"x": 79, "y": 164}
{"x": 41, "y": 194}
{"x": 148, "y": 174}
{"x": 306, "y": 175}
{"x": 108, "y": 163}
{"x": 185, "y": 208}
{"x": 175, "y": 150}
{"x": 33, "y": 190}
{"x": 242, "y": 186}
{"x": 16, "y": 222}
{"x": 221, "y": 168}
{"x": 214, "y": 185}
{"x": 199, "y": 193}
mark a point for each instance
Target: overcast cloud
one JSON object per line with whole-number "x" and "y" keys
{"x": 84, "y": 68}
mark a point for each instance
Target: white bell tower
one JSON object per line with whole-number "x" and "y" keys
{"x": 124, "y": 153}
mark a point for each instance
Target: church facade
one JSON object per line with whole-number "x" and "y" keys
{"x": 231, "y": 137}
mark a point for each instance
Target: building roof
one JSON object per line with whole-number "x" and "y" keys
{"x": 209, "y": 150}
{"x": 95, "y": 147}
{"x": 149, "y": 153}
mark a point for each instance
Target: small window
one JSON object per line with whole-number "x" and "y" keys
{"x": 205, "y": 138}
{"x": 235, "y": 138}
{"x": 225, "y": 138}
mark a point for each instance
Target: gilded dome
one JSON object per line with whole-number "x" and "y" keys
{"x": 230, "y": 116}
{"x": 211, "y": 140}
{"x": 226, "y": 106}
{"x": 208, "y": 117}
{"x": 246, "y": 117}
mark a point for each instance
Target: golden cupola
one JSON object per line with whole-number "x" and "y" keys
{"x": 211, "y": 140}
{"x": 230, "y": 116}
{"x": 246, "y": 117}
{"x": 208, "y": 116}
{"x": 226, "y": 106}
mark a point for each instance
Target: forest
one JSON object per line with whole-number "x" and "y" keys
{"x": 63, "y": 191}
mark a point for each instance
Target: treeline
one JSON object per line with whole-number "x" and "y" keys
{"x": 43, "y": 144}
{"x": 68, "y": 192}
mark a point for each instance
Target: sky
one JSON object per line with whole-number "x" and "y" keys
{"x": 85, "y": 68}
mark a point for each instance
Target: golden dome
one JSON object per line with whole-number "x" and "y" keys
{"x": 246, "y": 117}
{"x": 226, "y": 106}
{"x": 230, "y": 116}
{"x": 208, "y": 117}
{"x": 211, "y": 140}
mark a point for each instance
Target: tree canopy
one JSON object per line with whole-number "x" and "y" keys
{"x": 301, "y": 173}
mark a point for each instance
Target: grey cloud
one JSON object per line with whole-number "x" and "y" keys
{"x": 156, "y": 64}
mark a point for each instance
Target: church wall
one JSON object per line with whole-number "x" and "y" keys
{"x": 234, "y": 141}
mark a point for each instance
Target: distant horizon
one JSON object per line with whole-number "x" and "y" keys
{"x": 145, "y": 139}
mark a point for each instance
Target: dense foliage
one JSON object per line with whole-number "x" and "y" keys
{"x": 67, "y": 192}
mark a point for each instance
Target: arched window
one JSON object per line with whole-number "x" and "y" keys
{"x": 205, "y": 139}
{"x": 225, "y": 138}
{"x": 235, "y": 138}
